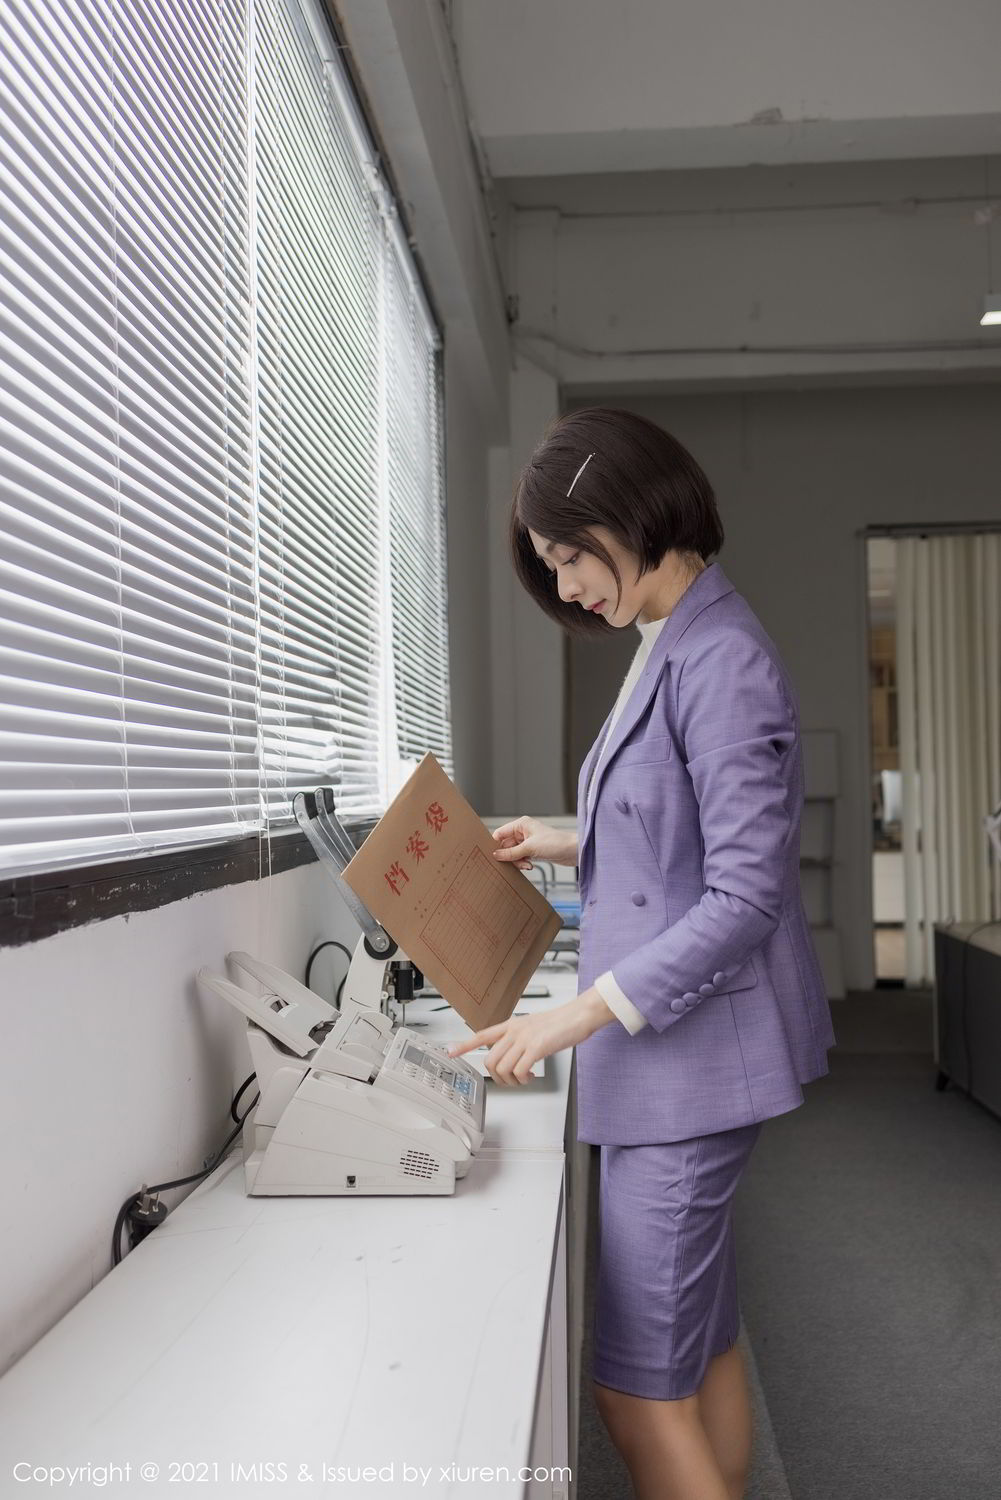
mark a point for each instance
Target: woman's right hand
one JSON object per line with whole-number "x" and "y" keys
{"x": 524, "y": 839}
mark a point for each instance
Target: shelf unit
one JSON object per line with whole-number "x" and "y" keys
{"x": 822, "y": 789}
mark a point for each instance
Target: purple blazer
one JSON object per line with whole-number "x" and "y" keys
{"x": 688, "y": 868}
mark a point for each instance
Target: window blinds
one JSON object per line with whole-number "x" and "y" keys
{"x": 203, "y": 390}
{"x": 416, "y": 523}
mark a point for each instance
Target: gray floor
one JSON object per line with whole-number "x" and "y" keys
{"x": 869, "y": 1261}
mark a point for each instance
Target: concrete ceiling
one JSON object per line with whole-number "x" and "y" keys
{"x": 561, "y": 87}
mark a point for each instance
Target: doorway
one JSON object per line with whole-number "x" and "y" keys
{"x": 889, "y": 959}
{"x": 934, "y": 654}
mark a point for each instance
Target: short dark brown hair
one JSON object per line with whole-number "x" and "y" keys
{"x": 641, "y": 484}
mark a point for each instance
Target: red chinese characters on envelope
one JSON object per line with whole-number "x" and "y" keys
{"x": 417, "y": 846}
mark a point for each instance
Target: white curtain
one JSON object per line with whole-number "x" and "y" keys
{"x": 949, "y": 708}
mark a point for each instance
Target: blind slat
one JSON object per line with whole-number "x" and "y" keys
{"x": 222, "y": 571}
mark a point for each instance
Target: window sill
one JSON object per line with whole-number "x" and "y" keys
{"x": 33, "y": 907}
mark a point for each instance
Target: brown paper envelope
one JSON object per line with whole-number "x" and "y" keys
{"x": 475, "y": 925}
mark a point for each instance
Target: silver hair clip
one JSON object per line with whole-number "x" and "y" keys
{"x": 580, "y": 472}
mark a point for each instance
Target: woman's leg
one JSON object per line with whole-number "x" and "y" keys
{"x": 667, "y": 1289}
{"x": 725, "y": 1409}
{"x": 664, "y": 1445}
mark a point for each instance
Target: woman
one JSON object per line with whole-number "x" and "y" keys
{"x": 701, "y": 1008}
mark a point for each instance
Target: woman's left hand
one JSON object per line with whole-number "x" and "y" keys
{"x": 520, "y": 1041}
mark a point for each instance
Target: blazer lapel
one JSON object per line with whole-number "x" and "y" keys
{"x": 711, "y": 584}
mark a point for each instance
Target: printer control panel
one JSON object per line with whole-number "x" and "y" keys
{"x": 418, "y": 1068}
{"x": 432, "y": 1069}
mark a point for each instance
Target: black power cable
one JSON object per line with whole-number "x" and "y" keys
{"x": 141, "y": 1208}
{"x": 238, "y": 1096}
{"x": 330, "y": 943}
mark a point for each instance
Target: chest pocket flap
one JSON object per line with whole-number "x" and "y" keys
{"x": 653, "y": 747}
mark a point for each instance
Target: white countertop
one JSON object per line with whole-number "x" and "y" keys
{"x": 310, "y": 1331}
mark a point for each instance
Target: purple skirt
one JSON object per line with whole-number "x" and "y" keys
{"x": 666, "y": 1296}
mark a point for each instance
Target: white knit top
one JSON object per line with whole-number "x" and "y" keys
{"x": 632, "y": 1019}
{"x": 648, "y": 634}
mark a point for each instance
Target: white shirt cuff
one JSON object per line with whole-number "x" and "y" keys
{"x": 632, "y": 1019}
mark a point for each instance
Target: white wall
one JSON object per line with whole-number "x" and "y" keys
{"x": 118, "y": 1072}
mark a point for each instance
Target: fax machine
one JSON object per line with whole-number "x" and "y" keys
{"x": 350, "y": 1103}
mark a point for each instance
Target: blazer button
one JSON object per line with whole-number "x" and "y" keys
{"x": 622, "y": 804}
{"x": 690, "y": 997}
{"x": 678, "y": 1006}
{"x": 718, "y": 977}
{"x": 705, "y": 989}
{"x": 638, "y": 898}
